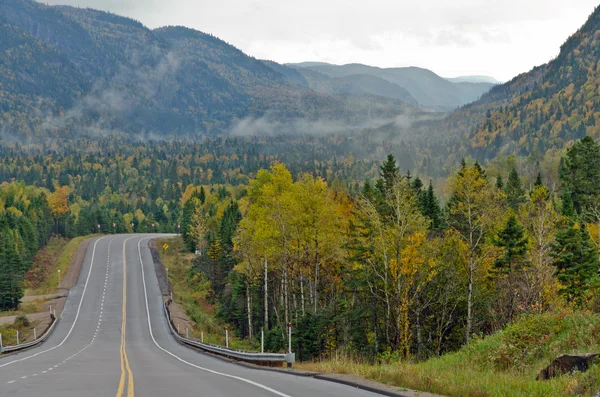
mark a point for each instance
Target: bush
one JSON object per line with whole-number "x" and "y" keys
{"x": 21, "y": 321}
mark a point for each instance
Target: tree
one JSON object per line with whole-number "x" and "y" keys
{"x": 515, "y": 194}
{"x": 510, "y": 267}
{"x": 580, "y": 174}
{"x": 576, "y": 262}
{"x": 473, "y": 209}
{"x": 513, "y": 242}
{"x": 430, "y": 207}
{"x": 541, "y": 221}
{"x": 59, "y": 204}
{"x": 389, "y": 173}
{"x": 11, "y": 273}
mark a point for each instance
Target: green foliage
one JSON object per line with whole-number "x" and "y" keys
{"x": 21, "y": 321}
{"x": 580, "y": 174}
{"x": 515, "y": 194}
{"x": 576, "y": 261}
{"x": 513, "y": 242}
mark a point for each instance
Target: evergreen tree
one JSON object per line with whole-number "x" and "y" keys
{"x": 515, "y": 194}
{"x": 389, "y": 174}
{"x": 499, "y": 182}
{"x": 430, "y": 207}
{"x": 514, "y": 244}
{"x": 580, "y": 174}
{"x": 576, "y": 262}
{"x": 11, "y": 273}
{"x": 538, "y": 180}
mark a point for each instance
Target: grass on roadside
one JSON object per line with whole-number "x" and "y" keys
{"x": 58, "y": 255}
{"x": 21, "y": 324}
{"x": 190, "y": 290}
{"x": 504, "y": 364}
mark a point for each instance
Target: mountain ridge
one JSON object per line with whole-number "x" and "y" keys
{"x": 545, "y": 109}
{"x": 171, "y": 80}
{"x": 426, "y": 87}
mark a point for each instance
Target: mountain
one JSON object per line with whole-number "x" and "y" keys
{"x": 474, "y": 79}
{"x": 352, "y": 84}
{"x": 426, "y": 87}
{"x": 542, "y": 110}
{"x": 68, "y": 70}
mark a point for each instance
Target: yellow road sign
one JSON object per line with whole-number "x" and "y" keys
{"x": 165, "y": 246}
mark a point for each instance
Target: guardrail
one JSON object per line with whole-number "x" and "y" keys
{"x": 8, "y": 349}
{"x": 257, "y": 358}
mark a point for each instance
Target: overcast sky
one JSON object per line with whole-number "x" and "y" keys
{"x": 500, "y": 38}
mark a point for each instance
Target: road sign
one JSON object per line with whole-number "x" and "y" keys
{"x": 165, "y": 246}
{"x": 98, "y": 226}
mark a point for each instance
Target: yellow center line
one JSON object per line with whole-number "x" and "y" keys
{"x": 123, "y": 349}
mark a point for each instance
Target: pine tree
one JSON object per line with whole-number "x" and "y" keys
{"x": 389, "y": 173}
{"x": 514, "y": 190}
{"x": 499, "y": 182}
{"x": 514, "y": 244}
{"x": 580, "y": 174}
{"x": 202, "y": 195}
{"x": 11, "y": 273}
{"x": 576, "y": 262}
{"x": 430, "y": 207}
{"x": 538, "y": 180}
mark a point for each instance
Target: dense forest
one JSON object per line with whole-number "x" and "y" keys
{"x": 360, "y": 256}
{"x": 389, "y": 271}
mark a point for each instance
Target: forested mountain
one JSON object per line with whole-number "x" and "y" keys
{"x": 426, "y": 87}
{"x": 359, "y": 83}
{"x": 103, "y": 73}
{"x": 543, "y": 110}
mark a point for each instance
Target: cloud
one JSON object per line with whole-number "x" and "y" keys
{"x": 379, "y": 32}
{"x": 119, "y": 97}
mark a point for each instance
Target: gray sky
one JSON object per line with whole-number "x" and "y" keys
{"x": 500, "y": 38}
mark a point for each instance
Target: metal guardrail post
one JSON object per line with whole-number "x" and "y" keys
{"x": 288, "y": 358}
{"x": 19, "y": 346}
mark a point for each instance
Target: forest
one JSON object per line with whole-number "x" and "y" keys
{"x": 389, "y": 272}
{"x": 361, "y": 256}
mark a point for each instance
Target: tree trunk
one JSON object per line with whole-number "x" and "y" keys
{"x": 286, "y": 297}
{"x": 470, "y": 299}
{"x": 316, "y": 275}
{"x": 249, "y": 304}
{"x": 266, "y": 319}
{"x": 302, "y": 295}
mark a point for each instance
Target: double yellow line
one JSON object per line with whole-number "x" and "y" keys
{"x": 124, "y": 359}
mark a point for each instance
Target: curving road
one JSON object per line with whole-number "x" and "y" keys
{"x": 113, "y": 340}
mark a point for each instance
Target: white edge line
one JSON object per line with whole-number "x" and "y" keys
{"x": 278, "y": 393}
{"x": 78, "y": 309}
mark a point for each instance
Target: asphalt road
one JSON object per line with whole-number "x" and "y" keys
{"x": 87, "y": 354}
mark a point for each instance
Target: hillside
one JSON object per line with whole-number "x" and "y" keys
{"x": 353, "y": 84}
{"x": 545, "y": 109}
{"x": 103, "y": 72}
{"x": 426, "y": 87}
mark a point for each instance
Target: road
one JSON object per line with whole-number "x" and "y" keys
{"x": 113, "y": 340}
